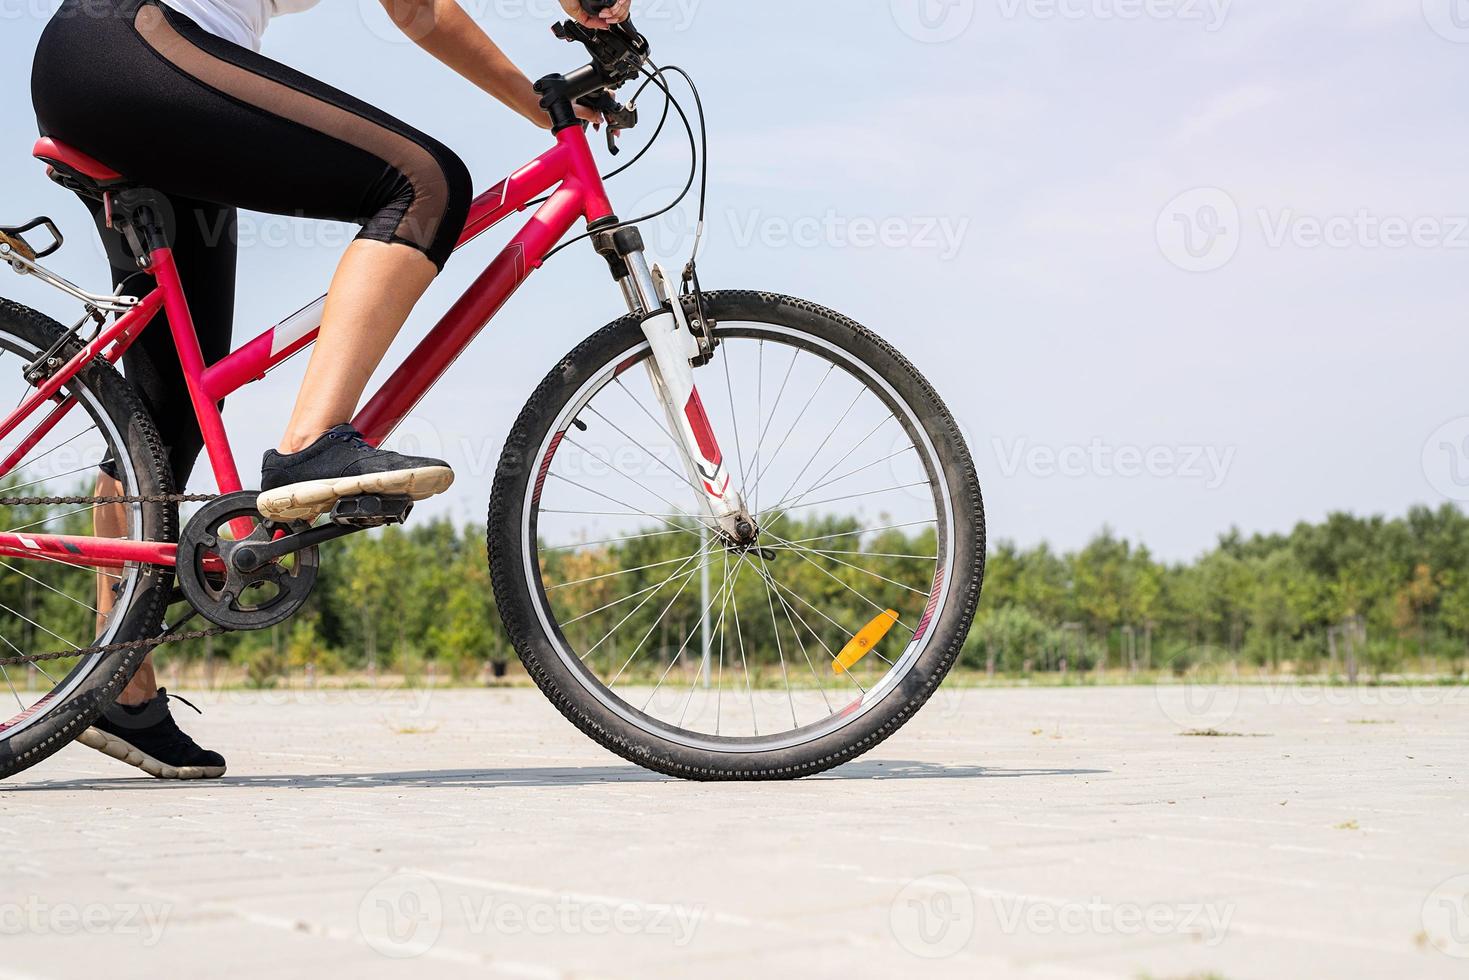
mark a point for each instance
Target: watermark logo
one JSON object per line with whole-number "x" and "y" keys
{"x": 1210, "y": 13}
{"x": 1199, "y": 230}
{"x": 1208, "y": 465}
{"x": 1448, "y": 18}
{"x": 933, "y": 21}
{"x": 1446, "y": 459}
{"x": 34, "y": 917}
{"x": 1208, "y": 922}
{"x": 1446, "y": 917}
{"x": 933, "y": 917}
{"x": 1206, "y": 698}
{"x": 401, "y": 917}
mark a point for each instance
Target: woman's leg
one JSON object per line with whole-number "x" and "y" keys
{"x": 372, "y": 293}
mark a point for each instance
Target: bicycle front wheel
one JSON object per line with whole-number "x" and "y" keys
{"x": 693, "y": 656}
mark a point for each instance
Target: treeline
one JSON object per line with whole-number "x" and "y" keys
{"x": 1350, "y": 594}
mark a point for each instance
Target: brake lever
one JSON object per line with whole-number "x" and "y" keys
{"x": 619, "y": 117}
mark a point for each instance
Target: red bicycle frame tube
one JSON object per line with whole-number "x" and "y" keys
{"x": 580, "y": 195}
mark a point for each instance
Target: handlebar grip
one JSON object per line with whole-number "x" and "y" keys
{"x": 593, "y": 8}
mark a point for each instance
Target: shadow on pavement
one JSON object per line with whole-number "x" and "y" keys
{"x": 538, "y": 776}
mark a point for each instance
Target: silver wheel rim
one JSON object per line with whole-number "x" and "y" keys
{"x": 39, "y": 708}
{"x": 800, "y": 734}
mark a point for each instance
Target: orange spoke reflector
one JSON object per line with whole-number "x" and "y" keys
{"x": 861, "y": 645}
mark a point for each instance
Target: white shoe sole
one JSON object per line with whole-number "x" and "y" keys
{"x": 308, "y": 501}
{"x": 108, "y": 744}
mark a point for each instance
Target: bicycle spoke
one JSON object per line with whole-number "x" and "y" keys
{"x": 734, "y": 418}
{"x": 834, "y": 429}
{"x": 11, "y": 685}
{"x": 626, "y": 598}
{"x": 53, "y": 517}
{"x": 744, "y": 662}
{"x": 589, "y": 544}
{"x": 682, "y": 477}
{"x": 864, "y": 554}
{"x": 58, "y": 476}
{"x": 842, "y": 631}
{"x": 640, "y": 605}
{"x": 74, "y": 645}
{"x": 629, "y": 479}
{"x": 815, "y": 635}
{"x": 677, "y": 657}
{"x": 791, "y": 431}
{"x": 774, "y": 410}
{"x": 848, "y": 475}
{"x": 785, "y": 608}
{"x": 864, "y": 571}
{"x": 12, "y": 568}
{"x": 687, "y": 579}
{"x": 625, "y": 571}
{"x": 864, "y": 531}
{"x": 780, "y": 650}
{"x": 60, "y": 445}
{"x": 862, "y": 442}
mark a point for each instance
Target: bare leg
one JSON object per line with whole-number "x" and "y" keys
{"x": 374, "y": 289}
{"x": 111, "y": 521}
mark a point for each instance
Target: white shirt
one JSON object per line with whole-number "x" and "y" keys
{"x": 240, "y": 21}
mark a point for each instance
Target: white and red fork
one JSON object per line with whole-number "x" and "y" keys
{"x": 671, "y": 371}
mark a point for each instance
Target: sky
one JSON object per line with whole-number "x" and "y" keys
{"x": 1175, "y": 265}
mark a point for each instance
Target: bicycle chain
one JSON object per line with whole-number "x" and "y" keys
{"x": 106, "y": 649}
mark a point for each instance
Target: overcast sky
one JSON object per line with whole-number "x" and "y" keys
{"x": 1176, "y": 265}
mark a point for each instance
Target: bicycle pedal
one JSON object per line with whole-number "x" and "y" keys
{"x": 371, "y": 510}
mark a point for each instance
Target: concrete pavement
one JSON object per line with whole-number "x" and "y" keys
{"x": 1045, "y": 833}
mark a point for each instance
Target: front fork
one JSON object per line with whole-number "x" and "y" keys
{"x": 651, "y": 296}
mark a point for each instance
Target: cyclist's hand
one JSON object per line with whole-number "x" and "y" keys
{"x": 590, "y": 115}
{"x": 612, "y": 15}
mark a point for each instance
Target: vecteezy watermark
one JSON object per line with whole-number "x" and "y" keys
{"x": 1363, "y": 229}
{"x": 933, "y": 917}
{"x": 32, "y": 916}
{"x": 1211, "y": 14}
{"x": 942, "y": 234}
{"x": 933, "y": 21}
{"x": 1446, "y": 917}
{"x": 672, "y": 232}
{"x": 1203, "y": 229}
{"x": 1206, "y": 698}
{"x": 571, "y": 916}
{"x": 1448, "y": 18}
{"x": 402, "y": 916}
{"x": 1199, "y": 230}
{"x": 1205, "y": 921}
{"x": 1208, "y": 465}
{"x": 1446, "y": 459}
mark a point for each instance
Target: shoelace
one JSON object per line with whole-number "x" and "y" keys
{"x": 350, "y": 436}
{"x": 176, "y": 697}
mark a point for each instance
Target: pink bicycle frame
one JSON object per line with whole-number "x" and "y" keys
{"x": 578, "y": 194}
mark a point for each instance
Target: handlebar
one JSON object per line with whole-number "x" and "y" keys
{"x": 618, "y": 55}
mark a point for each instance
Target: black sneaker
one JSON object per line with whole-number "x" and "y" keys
{"x": 303, "y": 486}
{"x": 146, "y": 736}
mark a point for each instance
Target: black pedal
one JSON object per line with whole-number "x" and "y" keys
{"x": 371, "y": 510}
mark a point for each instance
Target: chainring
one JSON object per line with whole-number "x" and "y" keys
{"x": 221, "y": 592}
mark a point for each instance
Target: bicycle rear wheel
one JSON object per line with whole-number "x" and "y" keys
{"x": 692, "y": 656}
{"x": 47, "y": 605}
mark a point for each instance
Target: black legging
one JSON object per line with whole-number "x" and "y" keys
{"x": 215, "y": 127}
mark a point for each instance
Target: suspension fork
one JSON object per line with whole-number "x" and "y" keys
{"x": 671, "y": 372}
